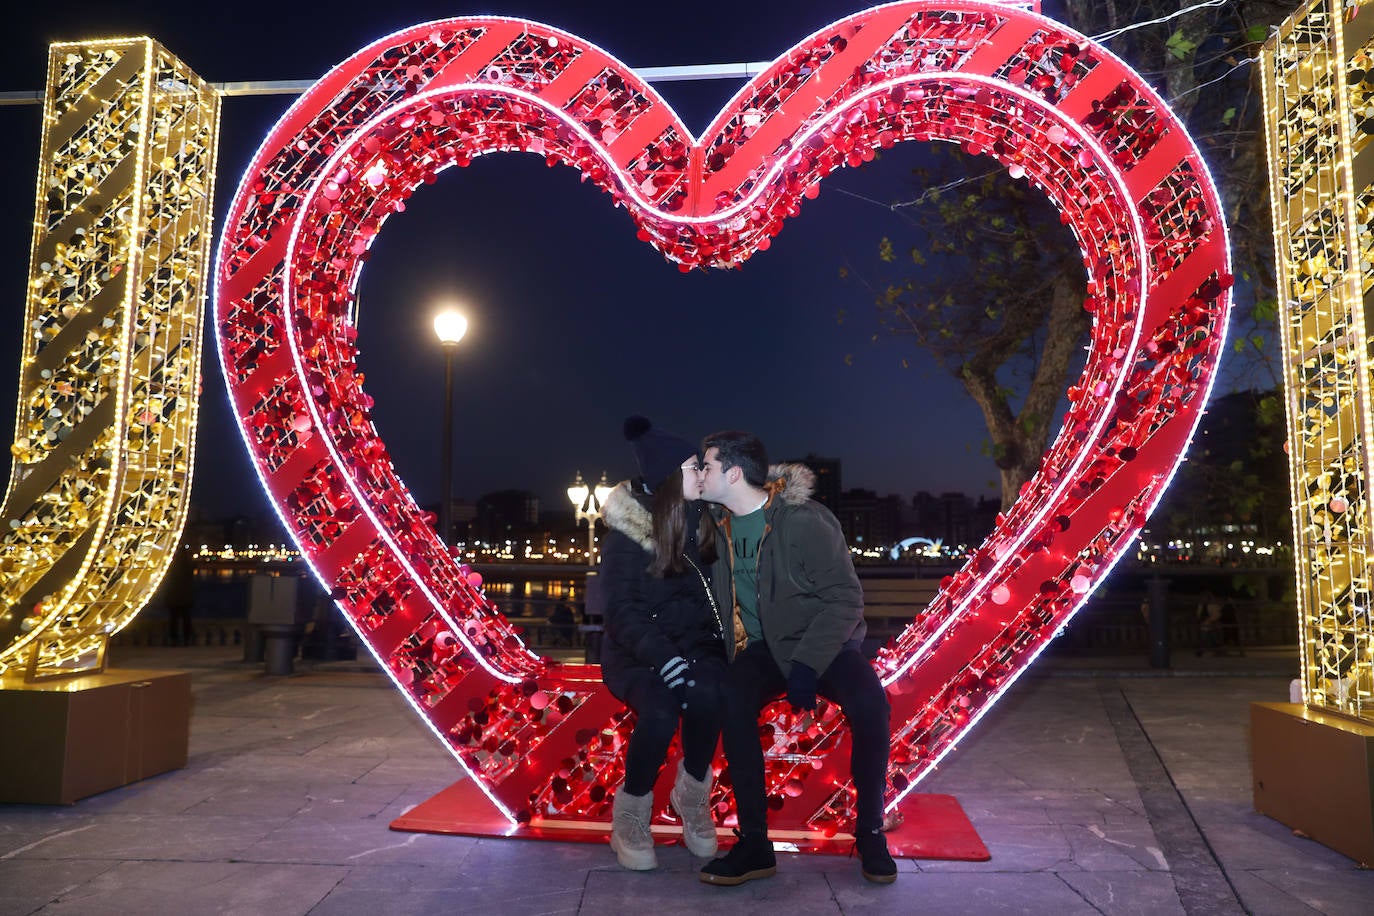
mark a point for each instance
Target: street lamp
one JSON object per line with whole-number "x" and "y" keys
{"x": 450, "y": 325}
{"x": 588, "y": 502}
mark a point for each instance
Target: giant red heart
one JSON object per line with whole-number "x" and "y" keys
{"x": 543, "y": 740}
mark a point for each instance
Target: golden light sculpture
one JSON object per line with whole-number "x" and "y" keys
{"x": 1312, "y": 760}
{"x": 109, "y": 371}
{"x": 1318, "y": 88}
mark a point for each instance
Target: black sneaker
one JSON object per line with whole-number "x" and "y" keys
{"x": 751, "y": 857}
{"x": 874, "y": 858}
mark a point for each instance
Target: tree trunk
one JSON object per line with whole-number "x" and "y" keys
{"x": 1019, "y": 441}
{"x": 981, "y": 385}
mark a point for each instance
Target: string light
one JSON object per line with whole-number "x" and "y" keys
{"x": 1317, "y": 92}
{"x": 1114, "y": 33}
{"x": 1201, "y": 86}
{"x": 111, "y": 355}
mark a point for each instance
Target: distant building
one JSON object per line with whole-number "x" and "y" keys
{"x": 870, "y": 520}
{"x": 953, "y": 518}
{"x": 507, "y": 514}
{"x": 827, "y": 471}
{"x": 464, "y": 519}
{"x": 238, "y": 531}
{"x": 561, "y": 524}
{"x": 1232, "y": 493}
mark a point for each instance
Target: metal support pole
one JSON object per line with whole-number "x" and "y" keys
{"x": 446, "y": 490}
{"x": 739, "y": 71}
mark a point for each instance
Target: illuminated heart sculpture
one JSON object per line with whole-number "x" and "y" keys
{"x": 545, "y": 741}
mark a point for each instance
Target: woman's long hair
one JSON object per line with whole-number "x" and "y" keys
{"x": 671, "y": 516}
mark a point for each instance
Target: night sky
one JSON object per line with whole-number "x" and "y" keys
{"x": 574, "y": 323}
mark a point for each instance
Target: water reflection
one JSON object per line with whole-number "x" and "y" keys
{"x": 222, "y": 593}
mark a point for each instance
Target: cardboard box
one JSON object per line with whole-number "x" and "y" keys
{"x": 1314, "y": 772}
{"x": 69, "y": 738}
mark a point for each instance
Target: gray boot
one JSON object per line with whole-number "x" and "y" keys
{"x": 690, "y": 798}
{"x": 630, "y": 836}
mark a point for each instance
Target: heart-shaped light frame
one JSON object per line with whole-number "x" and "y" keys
{"x": 544, "y": 741}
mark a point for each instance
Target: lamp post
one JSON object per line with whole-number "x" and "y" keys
{"x": 587, "y": 501}
{"x": 450, "y": 325}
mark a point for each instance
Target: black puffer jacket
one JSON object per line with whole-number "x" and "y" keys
{"x": 650, "y": 620}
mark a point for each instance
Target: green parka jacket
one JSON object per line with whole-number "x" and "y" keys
{"x": 810, "y": 600}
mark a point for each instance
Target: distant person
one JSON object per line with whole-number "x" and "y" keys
{"x": 1230, "y": 625}
{"x": 180, "y": 591}
{"x": 664, "y": 650}
{"x": 1209, "y": 622}
{"x": 563, "y": 623}
{"x": 800, "y": 636}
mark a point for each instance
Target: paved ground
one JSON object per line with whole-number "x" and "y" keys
{"x": 1097, "y": 787}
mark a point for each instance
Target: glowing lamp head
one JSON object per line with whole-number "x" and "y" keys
{"x": 603, "y": 490}
{"x": 578, "y": 492}
{"x": 450, "y": 325}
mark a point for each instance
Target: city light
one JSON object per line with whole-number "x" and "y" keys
{"x": 449, "y": 326}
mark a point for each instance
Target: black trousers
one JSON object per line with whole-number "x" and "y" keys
{"x": 754, "y": 680}
{"x": 657, "y": 713}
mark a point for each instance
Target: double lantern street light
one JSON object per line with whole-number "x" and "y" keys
{"x": 588, "y": 501}
{"x": 450, "y": 325}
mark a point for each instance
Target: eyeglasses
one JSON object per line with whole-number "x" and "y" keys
{"x": 692, "y": 466}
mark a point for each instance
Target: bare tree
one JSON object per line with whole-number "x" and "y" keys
{"x": 1003, "y": 312}
{"x": 997, "y": 301}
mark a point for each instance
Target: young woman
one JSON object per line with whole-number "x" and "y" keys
{"x": 663, "y": 654}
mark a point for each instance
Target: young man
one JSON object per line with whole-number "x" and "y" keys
{"x": 799, "y": 621}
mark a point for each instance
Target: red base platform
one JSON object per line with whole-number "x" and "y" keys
{"x": 931, "y": 827}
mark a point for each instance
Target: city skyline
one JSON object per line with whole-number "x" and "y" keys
{"x": 868, "y": 519}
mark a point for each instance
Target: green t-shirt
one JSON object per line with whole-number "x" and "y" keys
{"x": 746, "y": 531}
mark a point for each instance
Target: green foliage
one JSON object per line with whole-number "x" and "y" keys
{"x": 994, "y": 286}
{"x": 1236, "y": 474}
{"x": 1265, "y": 310}
{"x": 1269, "y": 411}
{"x": 987, "y": 252}
{"x": 991, "y": 269}
{"x": 1180, "y": 46}
{"x": 1204, "y": 63}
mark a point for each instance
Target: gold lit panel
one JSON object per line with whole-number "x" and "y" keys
{"x": 1319, "y": 118}
{"x": 105, "y": 429}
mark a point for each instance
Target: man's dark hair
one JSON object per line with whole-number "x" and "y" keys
{"x": 738, "y": 449}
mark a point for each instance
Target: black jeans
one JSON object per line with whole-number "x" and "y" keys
{"x": 754, "y": 680}
{"x": 657, "y": 712}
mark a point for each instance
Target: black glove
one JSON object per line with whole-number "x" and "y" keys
{"x": 801, "y": 686}
{"x": 677, "y": 674}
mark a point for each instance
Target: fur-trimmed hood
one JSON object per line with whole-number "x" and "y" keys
{"x": 625, "y": 513}
{"x": 795, "y": 482}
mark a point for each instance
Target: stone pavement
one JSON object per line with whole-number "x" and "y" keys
{"x": 1097, "y": 788}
